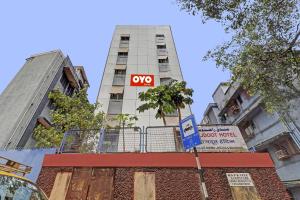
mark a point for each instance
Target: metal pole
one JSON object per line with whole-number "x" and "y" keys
{"x": 200, "y": 171}
{"x": 123, "y": 137}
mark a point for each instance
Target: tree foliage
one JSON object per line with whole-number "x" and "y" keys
{"x": 263, "y": 53}
{"x": 125, "y": 120}
{"x": 166, "y": 99}
{"x": 180, "y": 95}
{"x": 70, "y": 113}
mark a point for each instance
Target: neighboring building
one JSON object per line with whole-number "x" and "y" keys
{"x": 24, "y": 103}
{"x": 262, "y": 131}
{"x": 143, "y": 50}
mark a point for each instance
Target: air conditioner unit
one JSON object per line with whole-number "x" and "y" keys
{"x": 249, "y": 132}
{"x": 282, "y": 154}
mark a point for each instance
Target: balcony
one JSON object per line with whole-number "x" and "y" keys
{"x": 163, "y": 67}
{"x": 124, "y": 44}
{"x": 268, "y": 134}
{"x": 160, "y": 40}
{"x": 115, "y": 106}
{"x": 162, "y": 52}
{"x": 122, "y": 60}
{"x": 119, "y": 79}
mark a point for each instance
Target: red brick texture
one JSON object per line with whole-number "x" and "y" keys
{"x": 47, "y": 177}
{"x": 183, "y": 183}
{"x": 266, "y": 181}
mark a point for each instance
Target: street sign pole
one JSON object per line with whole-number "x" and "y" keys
{"x": 201, "y": 174}
{"x": 190, "y": 139}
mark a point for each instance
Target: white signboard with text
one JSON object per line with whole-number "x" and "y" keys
{"x": 239, "y": 179}
{"x": 221, "y": 138}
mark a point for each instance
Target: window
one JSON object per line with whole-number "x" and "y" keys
{"x": 119, "y": 77}
{"x": 122, "y": 58}
{"x": 69, "y": 91}
{"x": 64, "y": 80}
{"x": 163, "y": 60}
{"x": 160, "y": 35}
{"x": 125, "y": 38}
{"x": 120, "y": 72}
{"x": 116, "y": 96}
{"x": 223, "y": 118}
{"x": 285, "y": 148}
{"x": 250, "y": 129}
{"x": 239, "y": 99}
{"x": 161, "y": 46}
{"x": 124, "y": 42}
{"x": 160, "y": 38}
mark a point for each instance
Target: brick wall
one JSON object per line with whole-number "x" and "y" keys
{"x": 182, "y": 183}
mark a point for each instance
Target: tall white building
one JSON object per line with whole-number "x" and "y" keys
{"x": 139, "y": 57}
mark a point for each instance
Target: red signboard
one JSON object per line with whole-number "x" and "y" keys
{"x": 142, "y": 80}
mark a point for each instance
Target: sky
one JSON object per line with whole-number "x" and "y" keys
{"x": 83, "y": 30}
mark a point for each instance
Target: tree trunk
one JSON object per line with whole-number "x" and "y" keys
{"x": 179, "y": 114}
{"x": 164, "y": 119}
{"x": 177, "y": 137}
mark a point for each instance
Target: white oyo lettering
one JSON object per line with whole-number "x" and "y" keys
{"x": 142, "y": 78}
{"x": 148, "y": 79}
{"x": 135, "y": 79}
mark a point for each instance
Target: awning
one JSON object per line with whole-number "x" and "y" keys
{"x": 117, "y": 90}
{"x": 120, "y": 67}
{"x": 122, "y": 49}
{"x": 162, "y": 57}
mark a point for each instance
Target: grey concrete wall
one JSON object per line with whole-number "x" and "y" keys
{"x": 142, "y": 59}
{"x": 20, "y": 100}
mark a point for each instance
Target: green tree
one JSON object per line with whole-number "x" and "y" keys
{"x": 70, "y": 113}
{"x": 168, "y": 98}
{"x": 157, "y": 98}
{"x": 125, "y": 120}
{"x": 263, "y": 52}
{"x": 180, "y": 95}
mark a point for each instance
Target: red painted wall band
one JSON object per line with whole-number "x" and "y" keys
{"x": 159, "y": 160}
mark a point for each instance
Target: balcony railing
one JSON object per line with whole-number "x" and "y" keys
{"x": 122, "y": 60}
{"x": 115, "y": 106}
{"x": 160, "y": 40}
{"x": 119, "y": 79}
{"x": 163, "y": 67}
{"x": 124, "y": 44}
{"x": 162, "y": 52}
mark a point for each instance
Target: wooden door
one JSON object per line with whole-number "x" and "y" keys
{"x": 78, "y": 188}
{"x": 144, "y": 186}
{"x": 101, "y": 184}
{"x": 60, "y": 187}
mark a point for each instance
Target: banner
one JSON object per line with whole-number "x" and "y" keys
{"x": 142, "y": 80}
{"x": 221, "y": 138}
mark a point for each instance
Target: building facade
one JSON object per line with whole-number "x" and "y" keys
{"x": 262, "y": 131}
{"x": 24, "y": 103}
{"x": 148, "y": 52}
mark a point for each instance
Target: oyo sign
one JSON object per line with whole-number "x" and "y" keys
{"x": 142, "y": 80}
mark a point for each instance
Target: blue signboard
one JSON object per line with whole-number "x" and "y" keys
{"x": 189, "y": 132}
